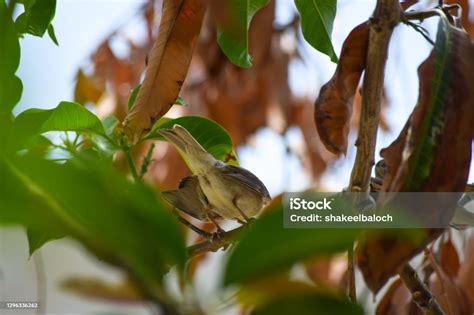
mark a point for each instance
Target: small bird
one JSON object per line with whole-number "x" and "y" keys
{"x": 216, "y": 190}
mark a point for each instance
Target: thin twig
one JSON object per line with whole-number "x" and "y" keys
{"x": 131, "y": 164}
{"x": 420, "y": 293}
{"x": 351, "y": 275}
{"x": 420, "y": 15}
{"x": 213, "y": 245}
{"x": 146, "y": 161}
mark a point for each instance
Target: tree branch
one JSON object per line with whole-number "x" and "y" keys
{"x": 420, "y": 293}
{"x": 386, "y": 16}
{"x": 213, "y": 245}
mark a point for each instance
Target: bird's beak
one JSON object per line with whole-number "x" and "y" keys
{"x": 174, "y": 138}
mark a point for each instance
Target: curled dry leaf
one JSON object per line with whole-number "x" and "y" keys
{"x": 392, "y": 156}
{"x": 395, "y": 300}
{"x": 450, "y": 296}
{"x": 466, "y": 272}
{"x": 437, "y": 152}
{"x": 433, "y": 152}
{"x": 333, "y": 108}
{"x": 168, "y": 65}
{"x": 449, "y": 258}
{"x": 380, "y": 254}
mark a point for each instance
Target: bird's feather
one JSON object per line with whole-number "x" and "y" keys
{"x": 188, "y": 198}
{"x": 245, "y": 179}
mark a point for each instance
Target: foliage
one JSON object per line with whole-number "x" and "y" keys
{"x": 273, "y": 249}
{"x": 36, "y": 19}
{"x": 72, "y": 188}
{"x": 232, "y": 34}
{"x": 316, "y": 22}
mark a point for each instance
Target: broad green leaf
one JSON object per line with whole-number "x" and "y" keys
{"x": 27, "y": 3}
{"x": 67, "y": 116}
{"x": 11, "y": 89}
{"x": 36, "y": 239}
{"x": 213, "y": 137}
{"x": 37, "y": 18}
{"x": 268, "y": 248}
{"x": 282, "y": 295}
{"x": 120, "y": 221}
{"x": 309, "y": 304}
{"x": 9, "y": 44}
{"x": 133, "y": 96}
{"x": 232, "y": 32}
{"x": 317, "y": 17}
{"x": 10, "y": 85}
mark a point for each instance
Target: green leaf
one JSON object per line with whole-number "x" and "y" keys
{"x": 109, "y": 123}
{"x": 36, "y": 239}
{"x": 37, "y": 18}
{"x": 67, "y": 116}
{"x": 213, "y": 137}
{"x": 268, "y": 248}
{"x": 121, "y": 222}
{"x": 309, "y": 304}
{"x": 10, "y": 85}
{"x": 232, "y": 32}
{"x": 317, "y": 17}
{"x": 180, "y": 101}
{"x": 38, "y": 145}
{"x": 27, "y": 3}
{"x": 11, "y": 89}
{"x": 133, "y": 96}
{"x": 9, "y": 44}
{"x": 52, "y": 34}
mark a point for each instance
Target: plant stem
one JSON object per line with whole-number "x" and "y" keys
{"x": 351, "y": 275}
{"x": 146, "y": 161}
{"x": 420, "y": 293}
{"x": 131, "y": 164}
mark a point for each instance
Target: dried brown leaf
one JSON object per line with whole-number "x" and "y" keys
{"x": 380, "y": 255}
{"x": 449, "y": 258}
{"x": 333, "y": 108}
{"x": 466, "y": 272}
{"x": 395, "y": 300}
{"x": 436, "y": 149}
{"x": 88, "y": 88}
{"x": 450, "y": 296}
{"x": 168, "y": 65}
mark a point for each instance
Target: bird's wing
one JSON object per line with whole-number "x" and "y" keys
{"x": 246, "y": 179}
{"x": 188, "y": 198}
